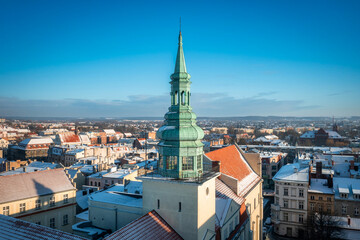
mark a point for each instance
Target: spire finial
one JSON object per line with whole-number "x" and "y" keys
{"x": 180, "y": 24}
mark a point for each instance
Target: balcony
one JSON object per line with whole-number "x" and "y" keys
{"x": 275, "y": 207}
{"x": 274, "y": 220}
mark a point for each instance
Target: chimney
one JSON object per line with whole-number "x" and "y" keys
{"x": 330, "y": 181}
{"x": 352, "y": 165}
{"x": 318, "y": 169}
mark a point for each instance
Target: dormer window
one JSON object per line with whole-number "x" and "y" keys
{"x": 343, "y": 195}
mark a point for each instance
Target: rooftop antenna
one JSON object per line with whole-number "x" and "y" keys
{"x": 180, "y": 24}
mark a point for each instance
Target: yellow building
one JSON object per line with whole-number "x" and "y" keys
{"x": 241, "y": 172}
{"x": 44, "y": 197}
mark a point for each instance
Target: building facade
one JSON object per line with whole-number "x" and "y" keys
{"x": 44, "y": 197}
{"x": 289, "y": 211}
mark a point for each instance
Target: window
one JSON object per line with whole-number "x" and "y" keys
{"x": 38, "y": 223}
{"x": 276, "y": 200}
{"x": 158, "y": 203}
{"x": 320, "y": 198}
{"x": 65, "y": 219}
{"x": 179, "y": 206}
{"x": 6, "y": 210}
{"x": 286, "y": 217}
{"x": 301, "y": 192}
{"x": 356, "y": 211}
{"x": 343, "y": 195}
{"x": 312, "y": 197}
{"x": 343, "y": 209}
{"x": 312, "y": 206}
{"x": 91, "y": 183}
{"x": 356, "y": 196}
{"x": 182, "y": 98}
{"x": 277, "y": 189}
{"x": 198, "y": 162}
{"x": 254, "y": 203}
{"x": 171, "y": 162}
{"x": 52, "y": 222}
{"x": 38, "y": 204}
{"x": 286, "y": 192}
{"x": 328, "y": 209}
{"x": 188, "y": 163}
{"x": 22, "y": 207}
{"x": 66, "y": 198}
{"x": 176, "y": 98}
{"x": 320, "y": 207}
{"x": 286, "y": 203}
{"x": 52, "y": 201}
{"x": 329, "y": 199}
{"x": 301, "y": 218}
{"x": 301, "y": 205}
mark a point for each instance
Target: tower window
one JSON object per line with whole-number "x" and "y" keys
{"x": 188, "y": 98}
{"x": 160, "y": 161}
{"x": 179, "y": 206}
{"x": 188, "y": 163}
{"x": 171, "y": 162}
{"x": 198, "y": 162}
{"x": 183, "y": 98}
{"x": 176, "y": 98}
{"x": 158, "y": 203}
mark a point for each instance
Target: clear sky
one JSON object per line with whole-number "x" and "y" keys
{"x": 114, "y": 58}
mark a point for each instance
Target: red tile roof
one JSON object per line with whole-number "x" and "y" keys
{"x": 232, "y": 163}
{"x": 149, "y": 226}
{"x": 14, "y": 229}
{"x": 69, "y": 137}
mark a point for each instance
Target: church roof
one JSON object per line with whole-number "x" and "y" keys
{"x": 149, "y": 226}
{"x": 232, "y": 163}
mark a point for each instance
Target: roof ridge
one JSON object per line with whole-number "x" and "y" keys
{"x": 34, "y": 172}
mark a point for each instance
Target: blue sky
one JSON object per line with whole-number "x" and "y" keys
{"x": 114, "y": 58}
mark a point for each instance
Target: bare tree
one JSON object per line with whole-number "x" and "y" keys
{"x": 321, "y": 226}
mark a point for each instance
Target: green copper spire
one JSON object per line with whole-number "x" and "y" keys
{"x": 180, "y": 146}
{"x": 180, "y": 59}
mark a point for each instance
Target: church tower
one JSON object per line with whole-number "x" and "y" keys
{"x": 180, "y": 191}
{"x": 180, "y": 147}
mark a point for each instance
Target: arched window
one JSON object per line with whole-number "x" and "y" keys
{"x": 183, "y": 98}
{"x": 188, "y": 98}
{"x": 176, "y": 98}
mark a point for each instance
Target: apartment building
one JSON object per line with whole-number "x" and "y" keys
{"x": 289, "y": 211}
{"x": 43, "y": 197}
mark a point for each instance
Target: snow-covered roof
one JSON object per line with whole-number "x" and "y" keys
{"x": 116, "y": 195}
{"x": 223, "y": 191}
{"x": 28, "y": 185}
{"x": 121, "y": 173}
{"x": 44, "y": 140}
{"x": 308, "y": 134}
{"x": 221, "y": 209}
{"x": 32, "y": 167}
{"x": 320, "y": 186}
{"x": 348, "y": 186}
{"x": 149, "y": 226}
{"x": 17, "y": 229}
{"x": 109, "y": 131}
{"x": 293, "y": 173}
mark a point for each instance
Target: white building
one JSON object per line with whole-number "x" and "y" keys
{"x": 289, "y": 210}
